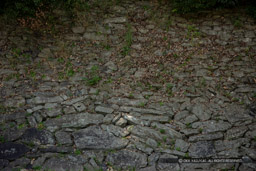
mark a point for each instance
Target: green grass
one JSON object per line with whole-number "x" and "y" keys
{"x": 128, "y": 41}
{"x": 189, "y": 125}
{"x": 40, "y": 126}
{"x": 187, "y": 155}
{"x": 21, "y": 126}
{"x": 37, "y": 167}
{"x": 142, "y": 104}
{"x": 162, "y": 131}
{"x": 178, "y": 149}
{"x": 192, "y": 32}
{"x": 94, "y": 80}
{"x": 131, "y": 96}
{"x": 78, "y": 152}
{"x": 2, "y": 140}
{"x": 200, "y": 130}
{"x": 164, "y": 138}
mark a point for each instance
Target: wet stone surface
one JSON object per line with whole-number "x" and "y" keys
{"x": 126, "y": 86}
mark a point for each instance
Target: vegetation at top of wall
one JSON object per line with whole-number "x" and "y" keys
{"x": 23, "y": 8}
{"x": 190, "y": 6}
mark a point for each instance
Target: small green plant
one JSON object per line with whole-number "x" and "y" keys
{"x": 61, "y": 60}
{"x": 2, "y": 140}
{"x": 200, "y": 130}
{"x": 97, "y": 92}
{"x": 178, "y": 149}
{"x": 30, "y": 144}
{"x": 128, "y": 41}
{"x": 78, "y": 152}
{"x": 21, "y": 126}
{"x": 186, "y": 155}
{"x": 32, "y": 74}
{"x": 70, "y": 72}
{"x": 159, "y": 144}
{"x": 2, "y": 109}
{"x": 164, "y": 138}
{"x": 173, "y": 141}
{"x": 169, "y": 89}
{"x": 12, "y": 125}
{"x": 162, "y": 131}
{"x": 40, "y": 126}
{"x": 237, "y": 22}
{"x": 176, "y": 56}
{"x": 94, "y": 80}
{"x": 28, "y": 114}
{"x": 142, "y": 104}
{"x": 131, "y": 96}
{"x": 37, "y": 167}
{"x": 189, "y": 125}
{"x": 161, "y": 103}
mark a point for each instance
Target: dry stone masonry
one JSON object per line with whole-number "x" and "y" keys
{"x": 129, "y": 87}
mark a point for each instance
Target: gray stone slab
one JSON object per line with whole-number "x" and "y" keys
{"x": 94, "y": 137}
{"x": 116, "y": 20}
{"x": 125, "y": 159}
{"x": 145, "y": 132}
{"x": 33, "y": 135}
{"x": 168, "y": 130}
{"x": 61, "y": 164}
{"x": 237, "y": 114}
{"x": 201, "y": 111}
{"x": 164, "y": 163}
{"x": 63, "y": 138}
{"x": 211, "y": 126}
{"x": 43, "y": 99}
{"x": 141, "y": 110}
{"x": 75, "y": 120}
{"x": 126, "y": 101}
{"x": 102, "y": 109}
{"x": 115, "y": 130}
{"x": 202, "y": 149}
{"x": 11, "y": 151}
{"x": 206, "y": 137}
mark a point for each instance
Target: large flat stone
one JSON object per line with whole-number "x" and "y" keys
{"x": 75, "y": 120}
{"x": 166, "y": 162}
{"x": 117, "y": 131}
{"x": 202, "y": 149}
{"x": 75, "y": 100}
{"x": 237, "y": 114}
{"x": 168, "y": 131}
{"x": 236, "y": 132}
{"x": 94, "y": 36}
{"x": 201, "y": 111}
{"x": 61, "y": 164}
{"x": 102, "y": 109}
{"x": 94, "y": 137}
{"x": 140, "y": 110}
{"x": 155, "y": 118}
{"x": 116, "y": 20}
{"x": 11, "y": 151}
{"x": 43, "y": 99}
{"x": 125, "y": 159}
{"x": 212, "y": 126}
{"x": 38, "y": 136}
{"x": 126, "y": 101}
{"x": 206, "y": 137}
{"x": 145, "y": 132}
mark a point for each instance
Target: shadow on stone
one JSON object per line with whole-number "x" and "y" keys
{"x": 11, "y": 151}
